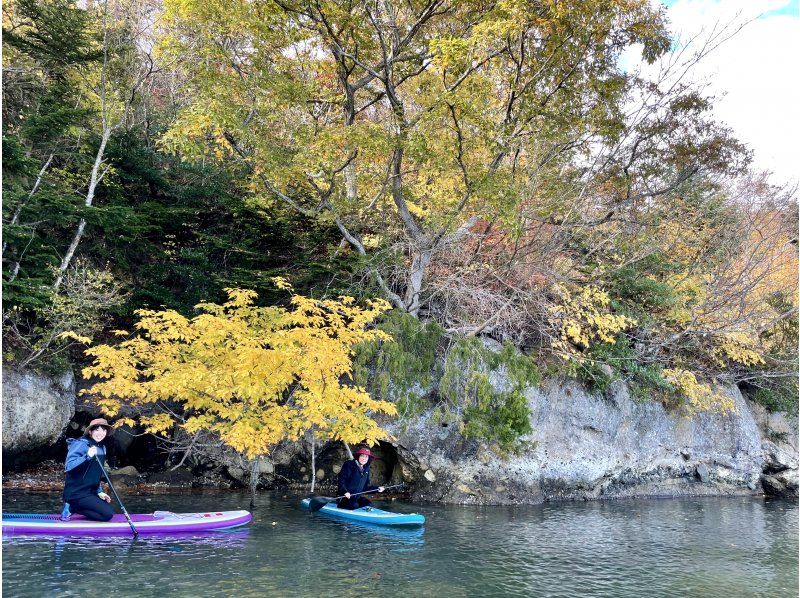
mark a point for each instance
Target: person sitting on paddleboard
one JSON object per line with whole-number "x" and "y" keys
{"x": 354, "y": 478}
{"x": 83, "y": 493}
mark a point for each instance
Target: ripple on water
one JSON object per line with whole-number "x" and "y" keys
{"x": 687, "y": 547}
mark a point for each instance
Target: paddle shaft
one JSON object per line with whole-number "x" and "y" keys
{"x": 315, "y": 503}
{"x": 114, "y": 492}
{"x": 368, "y": 491}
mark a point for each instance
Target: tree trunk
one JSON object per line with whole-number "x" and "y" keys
{"x": 313, "y": 462}
{"x": 349, "y": 119}
{"x": 94, "y": 179}
{"x": 14, "y": 272}
{"x": 419, "y": 263}
{"x": 18, "y": 211}
{"x": 254, "y": 473}
{"x": 15, "y": 269}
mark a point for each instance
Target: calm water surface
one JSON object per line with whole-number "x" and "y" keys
{"x": 686, "y": 547}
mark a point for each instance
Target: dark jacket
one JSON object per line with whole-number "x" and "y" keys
{"x": 83, "y": 473}
{"x": 353, "y": 479}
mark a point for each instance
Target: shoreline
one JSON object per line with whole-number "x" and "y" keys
{"x": 45, "y": 482}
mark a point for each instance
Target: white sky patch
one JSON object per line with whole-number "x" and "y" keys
{"x": 753, "y": 76}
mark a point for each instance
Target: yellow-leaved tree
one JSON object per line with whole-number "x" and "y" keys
{"x": 254, "y": 376}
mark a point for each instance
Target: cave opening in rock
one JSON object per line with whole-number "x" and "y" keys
{"x": 384, "y": 470}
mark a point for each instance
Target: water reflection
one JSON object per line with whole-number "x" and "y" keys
{"x": 219, "y": 539}
{"x": 397, "y": 536}
{"x": 691, "y": 547}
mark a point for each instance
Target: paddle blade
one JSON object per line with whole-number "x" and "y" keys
{"x": 317, "y": 502}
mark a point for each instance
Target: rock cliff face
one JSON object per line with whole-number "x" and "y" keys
{"x": 583, "y": 446}
{"x": 587, "y": 446}
{"x": 780, "y": 445}
{"x": 36, "y": 410}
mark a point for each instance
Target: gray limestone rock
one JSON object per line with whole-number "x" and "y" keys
{"x": 702, "y": 473}
{"x": 128, "y": 470}
{"x": 783, "y": 484}
{"x": 590, "y": 446}
{"x": 36, "y": 409}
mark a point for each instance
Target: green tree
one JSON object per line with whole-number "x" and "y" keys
{"x": 402, "y": 123}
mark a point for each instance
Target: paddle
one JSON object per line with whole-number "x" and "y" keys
{"x": 315, "y": 503}
{"x": 121, "y": 506}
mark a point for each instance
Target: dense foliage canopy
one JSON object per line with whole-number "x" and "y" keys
{"x": 489, "y": 168}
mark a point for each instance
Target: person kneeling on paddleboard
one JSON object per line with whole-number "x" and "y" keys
{"x": 83, "y": 493}
{"x": 354, "y": 478}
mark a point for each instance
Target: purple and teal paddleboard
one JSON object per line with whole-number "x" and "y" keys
{"x": 160, "y": 522}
